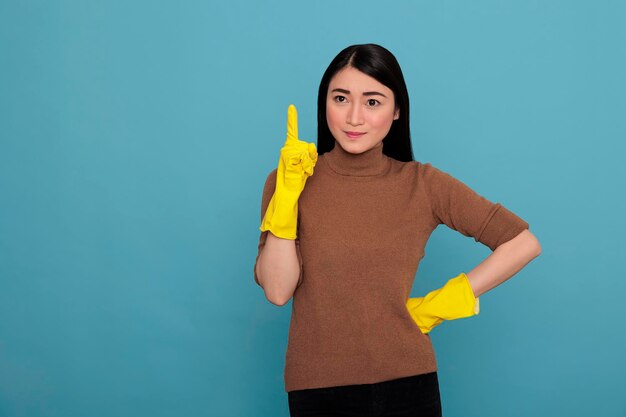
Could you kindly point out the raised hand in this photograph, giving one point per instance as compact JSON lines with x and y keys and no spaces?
{"x":297,"y":155}
{"x":295,"y":166}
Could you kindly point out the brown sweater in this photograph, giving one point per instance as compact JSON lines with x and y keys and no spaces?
{"x":363,"y":223}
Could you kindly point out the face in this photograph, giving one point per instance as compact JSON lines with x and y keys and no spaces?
{"x":359,"y":110}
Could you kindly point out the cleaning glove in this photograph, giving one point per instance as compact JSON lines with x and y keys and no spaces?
{"x":295,"y":166}
{"x":454,"y":300}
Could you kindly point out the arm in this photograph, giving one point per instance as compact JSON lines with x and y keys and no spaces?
{"x":278,"y":269}
{"x":504,"y":262}
{"x":278,"y":266}
{"x":459,"y":297}
{"x":462,"y":209}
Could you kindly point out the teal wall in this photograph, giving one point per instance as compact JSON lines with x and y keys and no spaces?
{"x":135,"y":139}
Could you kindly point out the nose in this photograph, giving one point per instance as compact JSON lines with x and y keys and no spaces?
{"x":355,"y":117}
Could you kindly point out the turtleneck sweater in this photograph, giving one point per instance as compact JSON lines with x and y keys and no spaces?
{"x":363,"y":223}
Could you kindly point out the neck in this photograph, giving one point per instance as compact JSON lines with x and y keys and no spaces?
{"x":369,"y":163}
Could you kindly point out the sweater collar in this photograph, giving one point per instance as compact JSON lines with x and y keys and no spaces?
{"x":366,"y":164}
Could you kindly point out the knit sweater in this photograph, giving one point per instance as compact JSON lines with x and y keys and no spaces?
{"x":363,"y":222}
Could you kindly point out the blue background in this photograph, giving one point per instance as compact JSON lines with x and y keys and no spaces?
{"x":135,"y":139}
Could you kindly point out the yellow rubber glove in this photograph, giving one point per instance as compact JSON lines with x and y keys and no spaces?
{"x":454,"y":300}
{"x":297,"y":159}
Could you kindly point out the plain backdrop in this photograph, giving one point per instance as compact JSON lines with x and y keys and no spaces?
{"x":135,"y":139}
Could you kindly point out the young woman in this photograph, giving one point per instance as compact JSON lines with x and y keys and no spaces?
{"x":347,"y":247}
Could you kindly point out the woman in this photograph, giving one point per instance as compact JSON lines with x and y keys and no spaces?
{"x":347,"y":246}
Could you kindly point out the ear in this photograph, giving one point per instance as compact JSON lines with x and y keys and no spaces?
{"x":396,"y":115}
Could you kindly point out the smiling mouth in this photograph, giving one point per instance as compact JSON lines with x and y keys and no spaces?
{"x":354,"y":134}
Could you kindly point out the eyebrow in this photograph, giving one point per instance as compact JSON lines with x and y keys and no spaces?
{"x":367,"y":93}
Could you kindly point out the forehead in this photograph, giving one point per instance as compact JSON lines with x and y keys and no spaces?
{"x":356,"y":82}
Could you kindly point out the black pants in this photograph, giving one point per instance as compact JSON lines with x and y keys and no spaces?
{"x":405,"y":397}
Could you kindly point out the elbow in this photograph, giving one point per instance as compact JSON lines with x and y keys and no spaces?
{"x":274,"y":296}
{"x":277,"y":299}
{"x":529,"y":243}
{"x":279,"y":302}
{"x":278,"y":278}
{"x":525,"y":244}
{"x":535,"y":246}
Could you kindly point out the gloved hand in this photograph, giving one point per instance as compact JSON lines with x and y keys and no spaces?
{"x":454,"y":300}
{"x":297,"y":159}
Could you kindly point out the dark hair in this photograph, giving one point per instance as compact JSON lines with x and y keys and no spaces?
{"x":380,"y":64}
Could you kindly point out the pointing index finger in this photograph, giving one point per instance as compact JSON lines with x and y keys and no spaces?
{"x":292,"y":123}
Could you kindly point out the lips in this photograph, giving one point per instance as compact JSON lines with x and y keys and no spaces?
{"x":354,"y":134}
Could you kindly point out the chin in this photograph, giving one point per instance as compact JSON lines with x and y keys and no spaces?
{"x":352,"y":147}
{"x":356,"y":147}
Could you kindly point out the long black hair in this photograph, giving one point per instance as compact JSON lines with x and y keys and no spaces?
{"x":380,"y":64}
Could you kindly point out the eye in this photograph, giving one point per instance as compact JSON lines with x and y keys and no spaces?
{"x":340,"y":99}
{"x":373,"y":102}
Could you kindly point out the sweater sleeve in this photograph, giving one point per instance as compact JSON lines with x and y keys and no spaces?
{"x":459,"y":207}
{"x":268,"y":192}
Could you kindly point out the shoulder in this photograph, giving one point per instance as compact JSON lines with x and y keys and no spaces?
{"x":411,"y":167}
{"x":433,"y":175}
{"x":415,"y":166}
{"x":428,"y":177}
{"x":417,"y":169}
